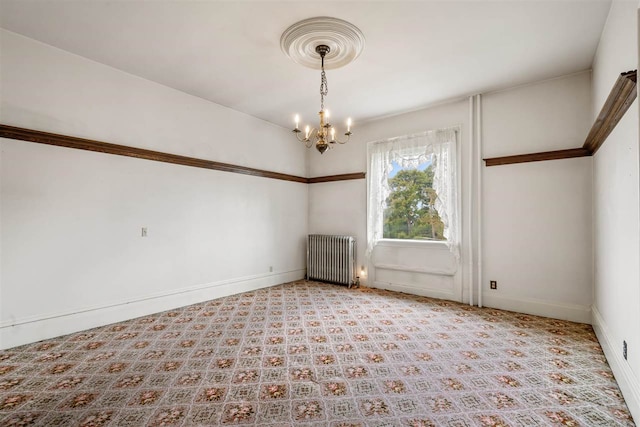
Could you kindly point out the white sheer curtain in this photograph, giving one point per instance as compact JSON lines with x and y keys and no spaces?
{"x":409,"y":152}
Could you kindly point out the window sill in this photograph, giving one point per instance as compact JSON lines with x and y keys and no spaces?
{"x":402,"y":243}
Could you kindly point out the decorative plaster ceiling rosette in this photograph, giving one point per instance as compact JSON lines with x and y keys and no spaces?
{"x":345,"y":40}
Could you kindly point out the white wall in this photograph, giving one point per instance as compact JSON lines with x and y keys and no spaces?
{"x":72,"y":252}
{"x":537,"y":216}
{"x":616,"y":310}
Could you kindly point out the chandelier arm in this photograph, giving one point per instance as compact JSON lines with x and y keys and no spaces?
{"x":348,"y":134}
{"x":297,"y":132}
{"x":307,"y":140}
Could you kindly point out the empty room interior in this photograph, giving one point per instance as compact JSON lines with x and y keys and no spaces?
{"x":367,"y":213}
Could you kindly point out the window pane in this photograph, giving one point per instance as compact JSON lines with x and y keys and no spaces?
{"x":410,"y":212}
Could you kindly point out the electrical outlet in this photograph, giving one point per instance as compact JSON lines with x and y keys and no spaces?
{"x":624,"y":350}
{"x":144,"y":231}
{"x":493,"y":284}
{"x":271,"y":269}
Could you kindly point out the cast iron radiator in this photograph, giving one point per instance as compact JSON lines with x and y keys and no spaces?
{"x":331,"y":259}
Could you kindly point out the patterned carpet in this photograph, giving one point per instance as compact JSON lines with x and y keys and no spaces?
{"x":307,"y":353}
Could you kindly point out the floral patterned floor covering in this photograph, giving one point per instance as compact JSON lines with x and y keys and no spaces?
{"x":308,"y":353}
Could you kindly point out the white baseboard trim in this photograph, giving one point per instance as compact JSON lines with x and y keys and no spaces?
{"x":413,"y":290}
{"x":538,"y":307}
{"x":36,"y":328}
{"x":629,"y":384}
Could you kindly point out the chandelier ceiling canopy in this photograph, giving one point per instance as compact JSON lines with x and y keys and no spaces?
{"x":320,"y":43}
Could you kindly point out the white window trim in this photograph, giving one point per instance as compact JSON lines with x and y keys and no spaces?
{"x":432,"y":244}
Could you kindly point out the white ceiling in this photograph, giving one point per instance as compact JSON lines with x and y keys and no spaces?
{"x":416,"y":53}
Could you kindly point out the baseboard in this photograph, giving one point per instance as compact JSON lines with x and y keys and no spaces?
{"x":538,"y":307}
{"x":36,"y":328}
{"x":629,"y":384}
{"x":413,"y":290}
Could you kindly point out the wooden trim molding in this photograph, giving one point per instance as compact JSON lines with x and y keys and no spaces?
{"x":620,"y":99}
{"x":618,"y":102}
{"x":47,"y":138}
{"x":331,"y":178}
{"x":537,"y":157}
{"x":140,"y":153}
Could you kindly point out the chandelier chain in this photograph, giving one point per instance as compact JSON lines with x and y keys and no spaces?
{"x":324,"y":89}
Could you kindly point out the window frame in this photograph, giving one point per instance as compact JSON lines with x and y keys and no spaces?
{"x":435,"y":244}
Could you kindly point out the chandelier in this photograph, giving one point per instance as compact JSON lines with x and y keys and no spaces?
{"x":336,"y":41}
{"x":320,"y":136}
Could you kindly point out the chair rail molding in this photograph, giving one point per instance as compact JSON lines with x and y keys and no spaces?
{"x":40,"y":137}
{"x":618,"y":102}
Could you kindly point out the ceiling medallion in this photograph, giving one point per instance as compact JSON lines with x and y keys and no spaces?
{"x":345,"y":42}
{"x":329,"y":43}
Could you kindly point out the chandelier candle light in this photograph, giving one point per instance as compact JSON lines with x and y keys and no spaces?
{"x":321,"y":136}
{"x":334,"y":40}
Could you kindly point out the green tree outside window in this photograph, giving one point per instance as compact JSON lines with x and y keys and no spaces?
{"x":410,"y":212}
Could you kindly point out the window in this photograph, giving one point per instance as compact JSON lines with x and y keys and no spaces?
{"x":412,"y":188}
